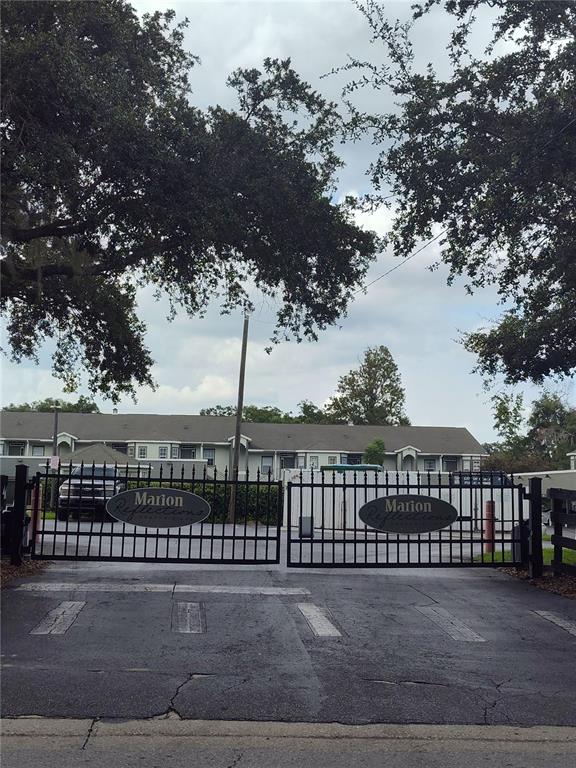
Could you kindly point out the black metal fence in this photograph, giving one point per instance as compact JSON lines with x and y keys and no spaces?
{"x":70,"y":521}
{"x":325,"y":529}
{"x":562,"y":514}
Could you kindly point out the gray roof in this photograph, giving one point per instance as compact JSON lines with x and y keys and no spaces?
{"x":117,"y":427}
{"x":30,"y":425}
{"x":354,"y":439}
{"x":97,"y":453}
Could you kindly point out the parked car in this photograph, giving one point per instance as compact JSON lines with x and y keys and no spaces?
{"x":479,"y":479}
{"x":88,"y":489}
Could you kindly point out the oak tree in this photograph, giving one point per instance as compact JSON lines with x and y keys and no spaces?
{"x":483,"y":160}
{"x":113,"y":179}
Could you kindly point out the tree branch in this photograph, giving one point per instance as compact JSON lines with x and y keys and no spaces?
{"x":58,"y":228}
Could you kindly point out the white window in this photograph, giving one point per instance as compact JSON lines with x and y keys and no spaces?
{"x":450,"y":464}
{"x":332,"y":459}
{"x":131,"y":450}
{"x":174,"y":452}
{"x":313,"y":462}
{"x":302,"y":461}
{"x":37,"y":450}
{"x":163,"y":452}
{"x":142,"y":452}
{"x":209,"y":455}
{"x":476,"y":464}
{"x":429,"y":465}
{"x":16,"y":449}
{"x":267,"y":463}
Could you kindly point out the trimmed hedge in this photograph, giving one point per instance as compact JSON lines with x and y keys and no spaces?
{"x":260,"y":502}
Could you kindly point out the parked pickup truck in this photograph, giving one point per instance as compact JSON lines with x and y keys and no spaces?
{"x":88,"y":489}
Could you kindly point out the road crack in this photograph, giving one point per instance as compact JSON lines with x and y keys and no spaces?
{"x":489,"y":708}
{"x":407,"y":682}
{"x":236,"y":760}
{"x":171,"y":710}
{"x":172,"y":704}
{"x":90,"y":730}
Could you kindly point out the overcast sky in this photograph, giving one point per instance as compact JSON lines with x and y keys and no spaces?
{"x":412,"y":311}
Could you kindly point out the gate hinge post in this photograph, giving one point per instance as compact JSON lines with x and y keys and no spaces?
{"x":535,"y":555}
{"x":18,"y":514}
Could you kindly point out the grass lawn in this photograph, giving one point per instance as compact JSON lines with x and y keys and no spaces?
{"x":568,"y":556}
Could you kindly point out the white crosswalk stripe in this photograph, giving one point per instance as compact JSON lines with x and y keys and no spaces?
{"x":59,"y":620}
{"x":233,"y":590}
{"x":188,"y":618}
{"x":569,"y":626}
{"x":52,"y":586}
{"x":450,"y":624}
{"x":318,"y":620}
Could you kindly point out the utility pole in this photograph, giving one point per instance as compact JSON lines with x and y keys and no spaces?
{"x":54,"y":484}
{"x":238,"y":432}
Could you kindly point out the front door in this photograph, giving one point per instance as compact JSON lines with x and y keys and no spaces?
{"x":408,"y":463}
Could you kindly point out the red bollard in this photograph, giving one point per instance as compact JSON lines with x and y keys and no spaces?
{"x":489,"y":526}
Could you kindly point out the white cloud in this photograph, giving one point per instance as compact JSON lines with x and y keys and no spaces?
{"x":170,"y":398}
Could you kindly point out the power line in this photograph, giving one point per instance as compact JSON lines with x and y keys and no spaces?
{"x":400,"y":264}
{"x":397,"y":266}
{"x":551,"y":139}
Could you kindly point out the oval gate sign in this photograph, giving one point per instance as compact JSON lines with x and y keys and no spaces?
{"x":408,"y":514}
{"x":158,"y":507}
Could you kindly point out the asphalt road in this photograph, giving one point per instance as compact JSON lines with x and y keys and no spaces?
{"x":431,"y":646}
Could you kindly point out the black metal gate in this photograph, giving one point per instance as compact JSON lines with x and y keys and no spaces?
{"x":70,"y":522}
{"x":325,"y":530}
{"x":320,"y":512}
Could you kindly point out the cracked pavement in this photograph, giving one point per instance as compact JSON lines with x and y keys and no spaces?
{"x":258,"y":659}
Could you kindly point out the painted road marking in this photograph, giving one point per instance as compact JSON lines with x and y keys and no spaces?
{"x":450,"y":624}
{"x":232,"y":590}
{"x":569,"y":626}
{"x":52,"y":586}
{"x":318,"y":620}
{"x":60,"y":619}
{"x":188,"y":618}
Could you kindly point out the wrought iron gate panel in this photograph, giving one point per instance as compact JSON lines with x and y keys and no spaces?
{"x":70,"y":522}
{"x":324,"y":530}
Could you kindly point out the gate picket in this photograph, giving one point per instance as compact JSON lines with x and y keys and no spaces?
{"x":79,"y":528}
{"x":337,"y":537}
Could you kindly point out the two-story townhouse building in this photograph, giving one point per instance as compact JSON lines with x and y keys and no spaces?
{"x":264,"y":447}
